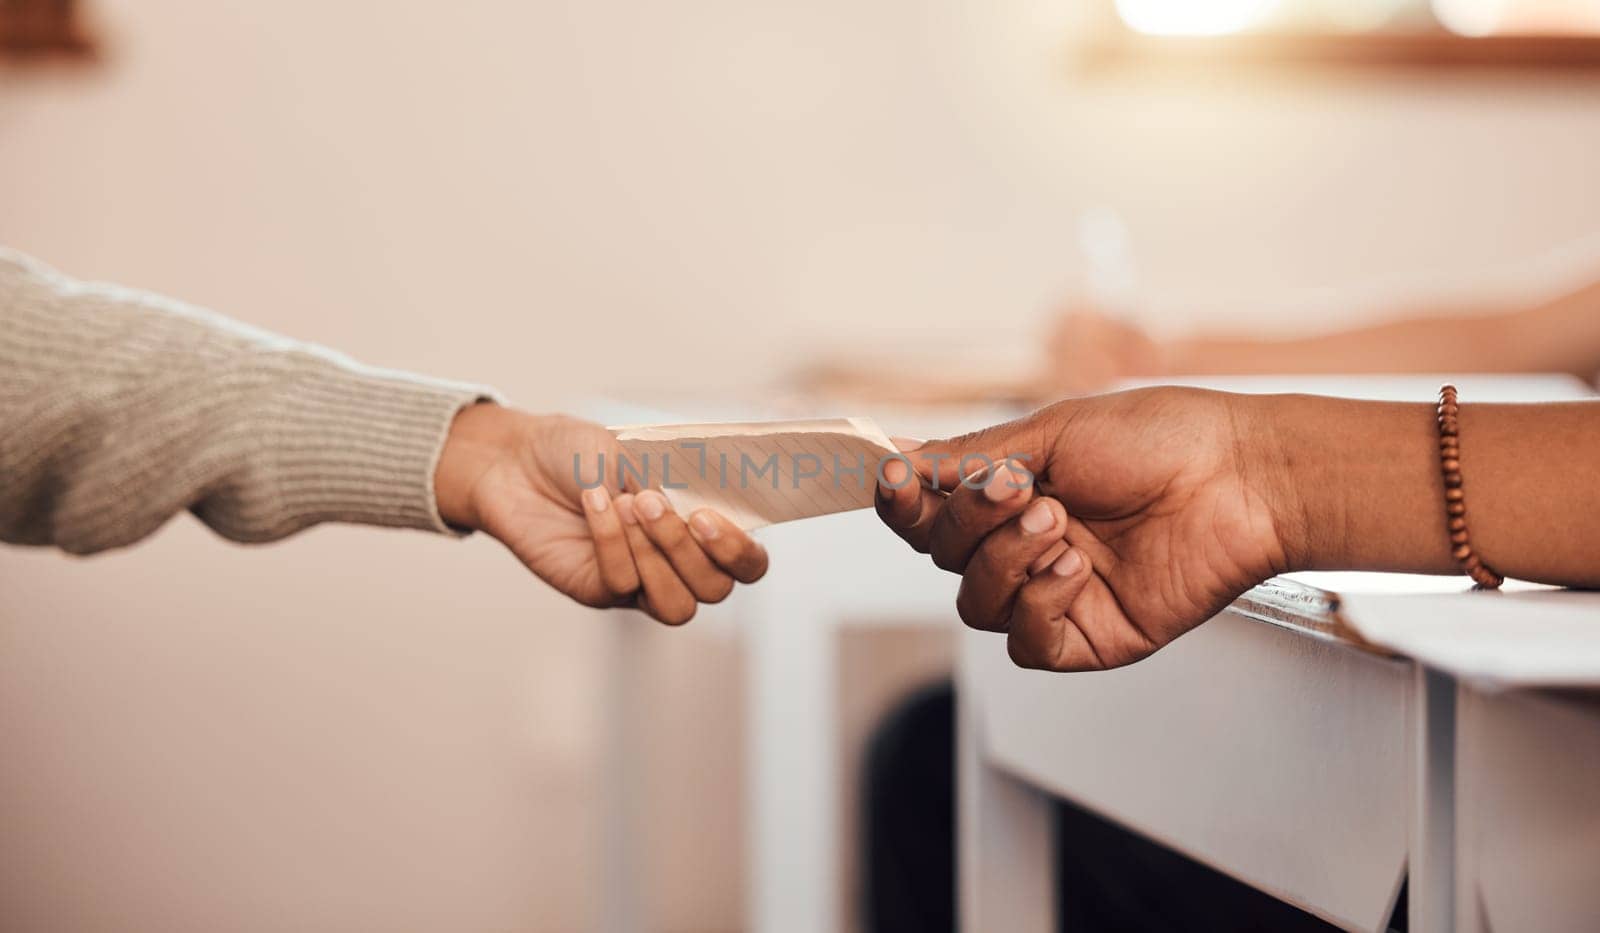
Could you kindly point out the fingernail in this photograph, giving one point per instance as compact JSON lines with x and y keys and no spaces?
{"x":1002,"y":485}
{"x":651,"y":504}
{"x":704,"y":527}
{"x":625,"y":509}
{"x":596,"y":499}
{"x":1038,"y":518}
{"x":895,"y":475}
{"x":1068,"y":564}
{"x":905,"y":443}
{"x":1047,"y":558}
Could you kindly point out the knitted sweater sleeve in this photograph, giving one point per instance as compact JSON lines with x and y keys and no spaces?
{"x":118,"y":409}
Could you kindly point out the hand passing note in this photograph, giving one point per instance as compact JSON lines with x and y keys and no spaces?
{"x":1106,"y":527}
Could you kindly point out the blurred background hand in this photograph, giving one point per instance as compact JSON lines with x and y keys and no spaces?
{"x":1088,"y":349}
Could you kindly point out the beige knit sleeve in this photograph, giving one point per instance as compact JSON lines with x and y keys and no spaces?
{"x":118,"y":409}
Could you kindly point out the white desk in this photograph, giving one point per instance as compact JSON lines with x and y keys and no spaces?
{"x":1528,"y":796}
{"x":1285,"y":760}
{"x":1307,"y":768}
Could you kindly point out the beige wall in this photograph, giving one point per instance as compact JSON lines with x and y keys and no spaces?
{"x":360,"y":730}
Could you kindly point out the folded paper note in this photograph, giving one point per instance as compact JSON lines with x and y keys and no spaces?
{"x":758,"y":473}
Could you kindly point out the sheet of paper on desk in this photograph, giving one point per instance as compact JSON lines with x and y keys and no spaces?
{"x":1528,"y":638}
{"x":759,"y":473}
{"x":1524,"y":636}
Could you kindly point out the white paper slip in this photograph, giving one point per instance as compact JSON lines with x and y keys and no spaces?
{"x":758,"y":473}
{"x":1535,"y":637}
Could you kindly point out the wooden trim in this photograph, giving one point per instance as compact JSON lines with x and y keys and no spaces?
{"x":1120,"y":47}
{"x":35,"y":29}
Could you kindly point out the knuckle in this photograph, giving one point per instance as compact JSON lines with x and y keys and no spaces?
{"x":620,"y":579}
{"x":958,"y":517}
{"x":605,"y":599}
{"x":1022,"y":653}
{"x":677,"y":612}
{"x":1034,"y":602}
{"x":718,"y":590}
{"x":917,"y":538}
{"x":667,"y":533}
{"x":1123,"y":655}
{"x":945,"y":558}
{"x":965,"y":610}
{"x":974,"y":612}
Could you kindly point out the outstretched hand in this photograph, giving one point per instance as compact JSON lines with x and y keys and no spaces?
{"x":512,"y":475}
{"x":1106,"y":527}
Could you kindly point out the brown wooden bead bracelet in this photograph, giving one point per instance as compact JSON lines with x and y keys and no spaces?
{"x":1455,"y":500}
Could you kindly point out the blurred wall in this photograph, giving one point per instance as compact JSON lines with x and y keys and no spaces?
{"x":363,"y":730}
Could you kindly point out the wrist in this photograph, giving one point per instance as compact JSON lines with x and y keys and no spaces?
{"x":1277,"y":461}
{"x":1352,"y":484}
{"x":479,"y":438}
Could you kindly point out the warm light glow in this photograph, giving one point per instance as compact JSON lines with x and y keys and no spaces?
{"x":1193,"y":17}
{"x":1492,"y":17}
{"x":1470,"y":17}
{"x":1359,"y":15}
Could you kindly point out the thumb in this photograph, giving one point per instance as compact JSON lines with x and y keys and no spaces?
{"x":943,"y":464}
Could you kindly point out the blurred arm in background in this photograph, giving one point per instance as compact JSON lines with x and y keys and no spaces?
{"x":119,"y":409}
{"x":1089,"y":350}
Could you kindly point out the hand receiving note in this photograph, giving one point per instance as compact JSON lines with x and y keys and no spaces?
{"x":516,"y":477}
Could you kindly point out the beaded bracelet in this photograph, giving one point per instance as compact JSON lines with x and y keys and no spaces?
{"x":1455,"y":500}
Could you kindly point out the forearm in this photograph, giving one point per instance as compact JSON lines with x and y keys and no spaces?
{"x":1558,"y":335}
{"x":1468,"y":344}
{"x":1362,"y":488}
{"x":1561,"y":335}
{"x":120,"y":409}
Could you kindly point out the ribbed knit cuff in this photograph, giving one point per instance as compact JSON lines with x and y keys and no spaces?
{"x":344,"y":443}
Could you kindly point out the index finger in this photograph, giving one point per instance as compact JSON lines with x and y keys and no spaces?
{"x":975,"y":508}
